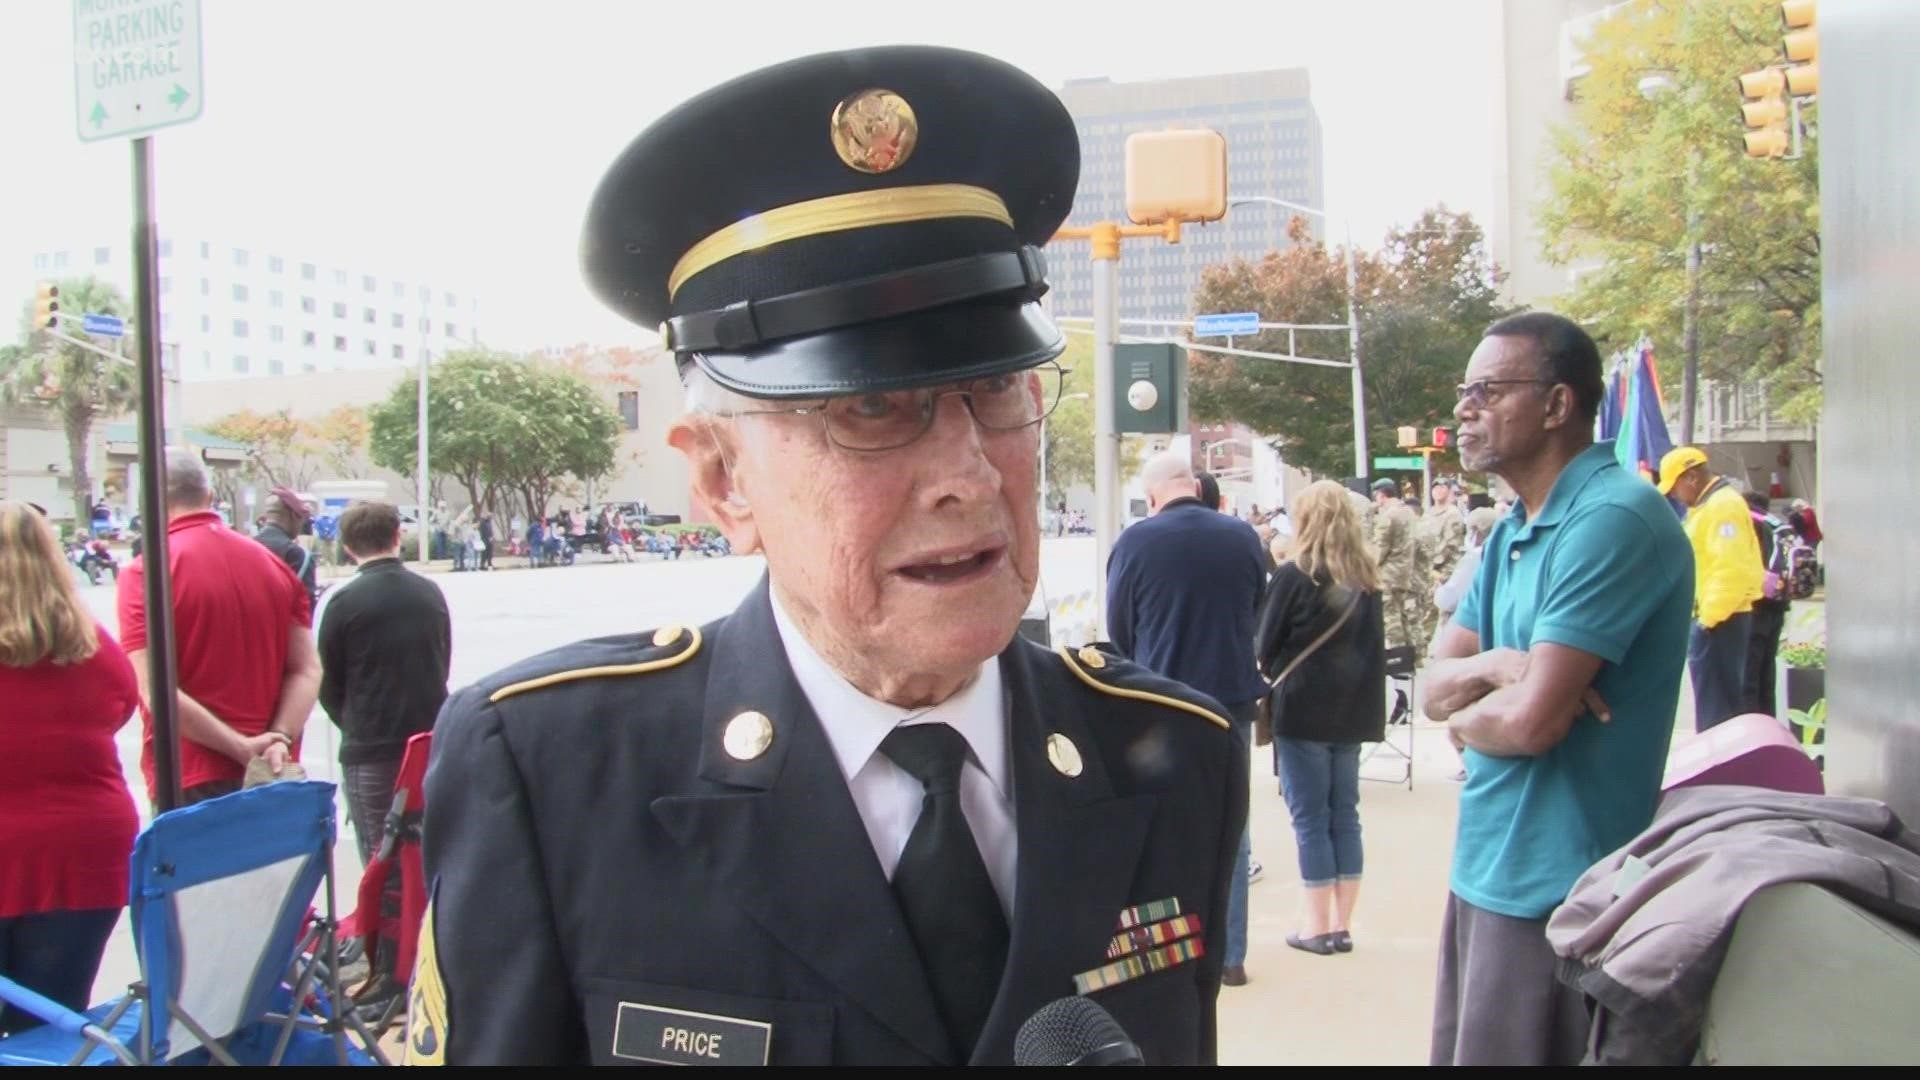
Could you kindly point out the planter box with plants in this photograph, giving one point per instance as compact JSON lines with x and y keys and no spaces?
{"x":1806,"y":689}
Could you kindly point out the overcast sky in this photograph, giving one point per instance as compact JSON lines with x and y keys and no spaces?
{"x":462,"y":139}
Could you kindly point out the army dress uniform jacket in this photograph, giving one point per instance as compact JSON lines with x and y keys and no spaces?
{"x":615,"y":879}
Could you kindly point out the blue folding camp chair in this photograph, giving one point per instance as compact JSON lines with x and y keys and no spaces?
{"x":235,"y":966}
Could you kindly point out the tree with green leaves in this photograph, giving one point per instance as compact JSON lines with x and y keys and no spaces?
{"x":498,"y":424}
{"x":81,"y":387}
{"x":1069,"y":431}
{"x":1652,"y":164}
{"x":1424,"y":299}
{"x":574,"y":436}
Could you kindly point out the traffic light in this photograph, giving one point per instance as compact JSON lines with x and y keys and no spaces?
{"x":1176,"y":176}
{"x":1409,"y":437}
{"x":1765,"y":112}
{"x":1802,"y":48}
{"x":46,"y":306}
{"x":1773,"y":122}
{"x":1442,"y":438}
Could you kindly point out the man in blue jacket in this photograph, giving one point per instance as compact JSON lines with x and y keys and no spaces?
{"x":1183,"y":588}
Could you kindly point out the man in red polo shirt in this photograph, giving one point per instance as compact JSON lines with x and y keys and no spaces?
{"x":248,"y":671}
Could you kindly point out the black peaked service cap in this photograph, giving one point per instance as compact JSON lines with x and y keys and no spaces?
{"x":846,"y":222}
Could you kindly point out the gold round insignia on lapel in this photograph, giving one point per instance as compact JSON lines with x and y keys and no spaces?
{"x":1092,"y":657}
{"x":874,"y":131}
{"x":667,"y":635}
{"x":748,"y":736}
{"x":1064,"y":756}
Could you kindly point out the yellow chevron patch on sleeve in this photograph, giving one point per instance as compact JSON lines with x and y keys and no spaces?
{"x":1078,"y":667}
{"x":427,"y":1003}
{"x":666,"y":636}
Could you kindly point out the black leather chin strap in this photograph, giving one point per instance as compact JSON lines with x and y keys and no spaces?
{"x":755,"y":322}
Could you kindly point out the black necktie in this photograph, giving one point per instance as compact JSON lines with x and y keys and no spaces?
{"x":942,"y":884}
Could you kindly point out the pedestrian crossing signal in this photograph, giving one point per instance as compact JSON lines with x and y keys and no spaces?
{"x":1442,"y":438}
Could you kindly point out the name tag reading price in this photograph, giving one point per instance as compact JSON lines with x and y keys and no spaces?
{"x":677,"y":1037}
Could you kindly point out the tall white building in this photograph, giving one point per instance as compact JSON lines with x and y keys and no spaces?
{"x":1540,"y":45}
{"x":239,"y":309}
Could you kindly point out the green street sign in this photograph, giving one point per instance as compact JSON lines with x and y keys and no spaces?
{"x":135,"y":69}
{"x":1413,"y":462}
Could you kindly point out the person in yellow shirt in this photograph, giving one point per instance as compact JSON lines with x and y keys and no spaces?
{"x":1728,"y":576}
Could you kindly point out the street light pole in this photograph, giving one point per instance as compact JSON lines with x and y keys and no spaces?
{"x":1690,"y":377}
{"x":1652,"y":87}
{"x":1353,"y":325}
{"x":1353,"y":357}
{"x":1106,"y":441}
{"x":422,"y":518}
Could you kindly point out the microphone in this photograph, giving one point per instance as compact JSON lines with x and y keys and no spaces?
{"x":1073,"y":1031}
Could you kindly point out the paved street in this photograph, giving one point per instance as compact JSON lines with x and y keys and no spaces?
{"x":1371,"y":1005}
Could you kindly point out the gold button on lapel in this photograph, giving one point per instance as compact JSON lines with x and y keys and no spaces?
{"x":748,"y":736}
{"x":667,"y":635}
{"x":1064,"y":756}
{"x":1093,"y":658}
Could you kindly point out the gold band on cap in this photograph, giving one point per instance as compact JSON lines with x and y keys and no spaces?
{"x":837,"y":213}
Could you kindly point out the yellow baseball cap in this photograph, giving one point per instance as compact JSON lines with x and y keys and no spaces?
{"x":1676,"y":462}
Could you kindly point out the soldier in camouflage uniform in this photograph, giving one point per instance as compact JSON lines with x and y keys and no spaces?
{"x":1394,"y":537}
{"x":1443,"y":539}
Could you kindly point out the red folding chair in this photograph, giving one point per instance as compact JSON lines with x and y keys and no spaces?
{"x":399,"y":852}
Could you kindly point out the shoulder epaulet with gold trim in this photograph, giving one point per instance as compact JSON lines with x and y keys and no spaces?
{"x":1090,"y":657}
{"x":686,"y":638}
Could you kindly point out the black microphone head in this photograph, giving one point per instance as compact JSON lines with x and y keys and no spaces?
{"x":1073,"y":1031}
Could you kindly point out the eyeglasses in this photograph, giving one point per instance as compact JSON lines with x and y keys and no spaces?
{"x":1475,"y":393}
{"x":888,"y":420}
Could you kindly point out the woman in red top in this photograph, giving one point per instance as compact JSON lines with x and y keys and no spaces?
{"x":66,"y":818}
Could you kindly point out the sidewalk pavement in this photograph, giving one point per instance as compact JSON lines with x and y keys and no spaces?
{"x":1373,"y":1005}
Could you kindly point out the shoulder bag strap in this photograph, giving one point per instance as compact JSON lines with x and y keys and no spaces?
{"x":1317,"y":642}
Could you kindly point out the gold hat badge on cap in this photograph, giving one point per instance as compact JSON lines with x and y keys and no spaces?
{"x":874,"y":131}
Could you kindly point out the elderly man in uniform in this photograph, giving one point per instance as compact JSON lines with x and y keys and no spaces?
{"x":1393,"y":534}
{"x":859,"y":820}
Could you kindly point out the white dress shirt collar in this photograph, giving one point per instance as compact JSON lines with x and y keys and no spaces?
{"x":856,"y":724}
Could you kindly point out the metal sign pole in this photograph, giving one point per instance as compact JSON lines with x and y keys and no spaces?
{"x":153,"y":493}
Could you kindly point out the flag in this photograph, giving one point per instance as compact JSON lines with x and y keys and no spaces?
{"x":1643,"y":438}
{"x":1612,"y":404}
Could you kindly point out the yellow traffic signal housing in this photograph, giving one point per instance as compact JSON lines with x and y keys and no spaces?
{"x":1767,"y":82}
{"x":1409,"y":438}
{"x":1771,"y":142}
{"x":1801,"y":47}
{"x":46,"y":306}
{"x":1176,"y":176}
{"x":1764,"y":113}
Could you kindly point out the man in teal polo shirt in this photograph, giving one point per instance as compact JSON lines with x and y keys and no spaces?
{"x":1557,"y":679}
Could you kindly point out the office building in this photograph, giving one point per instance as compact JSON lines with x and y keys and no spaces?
{"x":247,"y":309}
{"x":1273,"y":149}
